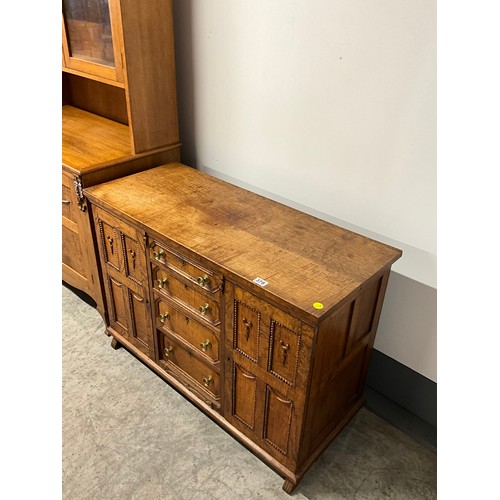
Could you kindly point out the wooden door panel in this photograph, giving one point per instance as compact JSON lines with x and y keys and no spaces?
{"x":110,"y":242}
{"x":278,"y":413}
{"x":141,"y":328}
{"x":284,"y":348}
{"x":117,"y":298}
{"x":246,"y":330}
{"x":364,"y":314}
{"x":244,"y":396}
{"x":72,"y":254}
{"x":133,"y":253}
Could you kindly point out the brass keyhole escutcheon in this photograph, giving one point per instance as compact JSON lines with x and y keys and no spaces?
{"x":284,"y":350}
{"x":248,"y":326}
{"x":208,"y":380}
{"x":204,"y":346}
{"x":132,"y":254}
{"x":110,"y":241}
{"x":161,"y":282}
{"x":205,"y":308}
{"x":167,"y":351}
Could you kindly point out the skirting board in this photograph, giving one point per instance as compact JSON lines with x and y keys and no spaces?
{"x":403,"y":397}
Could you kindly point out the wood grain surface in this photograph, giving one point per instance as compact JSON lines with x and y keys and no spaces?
{"x":305,"y":260}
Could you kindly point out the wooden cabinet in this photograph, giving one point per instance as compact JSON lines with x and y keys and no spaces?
{"x":119,"y":111}
{"x":263,"y":316}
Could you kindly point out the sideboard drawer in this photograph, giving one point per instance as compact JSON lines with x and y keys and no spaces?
{"x":204,"y":377}
{"x":203,"y":306}
{"x":203,"y":340}
{"x":184,"y":266}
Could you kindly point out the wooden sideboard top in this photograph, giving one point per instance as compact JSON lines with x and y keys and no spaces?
{"x":304,"y":260}
{"x":89,"y":140}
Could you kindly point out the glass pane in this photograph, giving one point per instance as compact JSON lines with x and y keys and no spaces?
{"x":88,"y":28}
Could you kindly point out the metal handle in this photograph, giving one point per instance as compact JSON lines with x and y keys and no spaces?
{"x":167,"y":351}
{"x":161,"y":283}
{"x":204,"y":346}
{"x":284,"y":352}
{"x":248,"y":327}
{"x":203,"y":280}
{"x":110,"y":240}
{"x":208,"y":380}
{"x":158,"y":255}
{"x":164,"y":316}
{"x":66,"y":202}
{"x":205,"y":308}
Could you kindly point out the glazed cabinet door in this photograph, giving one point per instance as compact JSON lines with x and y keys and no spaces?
{"x":122,"y":253}
{"x":266,"y":372}
{"x":91,"y":36}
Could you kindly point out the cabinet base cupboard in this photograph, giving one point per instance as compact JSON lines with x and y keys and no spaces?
{"x":262,"y":316}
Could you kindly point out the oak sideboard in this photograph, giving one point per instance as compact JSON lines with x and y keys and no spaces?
{"x":262,"y":316}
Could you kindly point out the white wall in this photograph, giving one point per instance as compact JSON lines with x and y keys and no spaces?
{"x":327,"y":106}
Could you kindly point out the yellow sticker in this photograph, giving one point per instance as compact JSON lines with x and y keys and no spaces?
{"x":318,"y":305}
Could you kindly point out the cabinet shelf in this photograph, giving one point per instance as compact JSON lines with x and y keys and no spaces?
{"x":89,"y":139}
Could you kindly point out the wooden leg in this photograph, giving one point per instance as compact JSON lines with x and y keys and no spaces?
{"x":115,"y":344}
{"x":288,"y":486}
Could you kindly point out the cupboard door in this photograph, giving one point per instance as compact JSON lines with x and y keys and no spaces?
{"x":123,"y":262}
{"x":267,"y":363}
{"x":129,"y":315}
{"x":90,"y":38}
{"x":269,"y":414}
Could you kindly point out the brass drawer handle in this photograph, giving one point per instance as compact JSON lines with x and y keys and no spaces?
{"x":204,"y":346}
{"x":208,"y":380}
{"x":203,"y":280}
{"x":167,"y":351}
{"x":66,"y":202}
{"x":205,"y":308}
{"x":158,"y":255}
{"x":161,"y":283}
{"x":164,"y":317}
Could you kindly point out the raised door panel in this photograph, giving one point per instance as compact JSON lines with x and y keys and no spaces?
{"x":122,"y":250}
{"x":141,"y":331}
{"x":72,"y":254}
{"x":270,"y":416}
{"x":365,"y":314}
{"x":129,"y":315}
{"x":133,"y":258}
{"x":116,"y":294}
{"x":243,"y":396}
{"x":110,"y":244}
{"x":278,"y":414}
{"x":263,"y":336}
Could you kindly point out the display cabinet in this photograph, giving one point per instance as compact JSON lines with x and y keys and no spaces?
{"x":119,"y":111}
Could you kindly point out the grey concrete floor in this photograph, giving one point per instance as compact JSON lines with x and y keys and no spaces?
{"x":128,"y":435}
